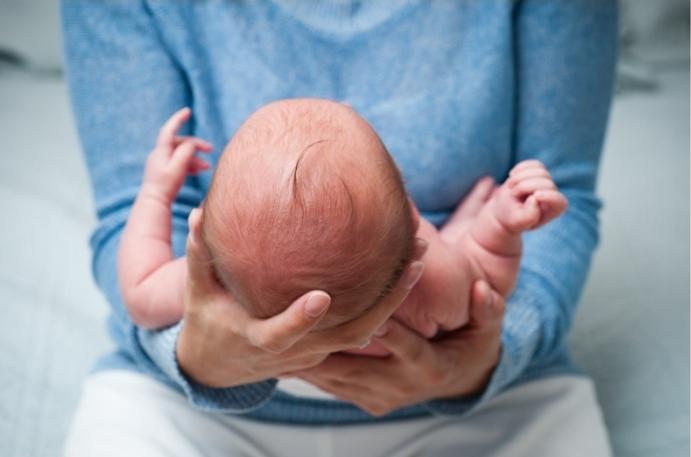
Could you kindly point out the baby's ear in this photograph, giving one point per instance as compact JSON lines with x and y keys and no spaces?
{"x":414,"y":214}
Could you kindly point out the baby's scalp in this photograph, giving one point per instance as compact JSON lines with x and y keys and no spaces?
{"x":306,"y":197}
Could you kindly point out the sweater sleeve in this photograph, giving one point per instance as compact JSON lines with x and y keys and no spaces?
{"x":123,"y":86}
{"x":565,"y":54}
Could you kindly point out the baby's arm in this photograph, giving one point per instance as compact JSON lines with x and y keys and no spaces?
{"x":152,"y":281}
{"x":527,"y":200}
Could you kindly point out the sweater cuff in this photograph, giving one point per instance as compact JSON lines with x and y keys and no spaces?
{"x":160,"y":347}
{"x":519,"y":340}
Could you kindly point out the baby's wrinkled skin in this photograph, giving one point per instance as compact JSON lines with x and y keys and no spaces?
{"x":306,"y":197}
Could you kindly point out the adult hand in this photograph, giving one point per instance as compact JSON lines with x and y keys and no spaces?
{"x":418,"y":369}
{"x":221,"y":345}
{"x":439,"y":301}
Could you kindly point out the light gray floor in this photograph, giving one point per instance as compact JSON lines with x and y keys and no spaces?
{"x":631,"y":333}
{"x":632,"y":330}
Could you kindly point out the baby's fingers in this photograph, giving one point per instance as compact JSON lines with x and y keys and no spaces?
{"x":197,"y":165}
{"x":531,"y":185}
{"x":528,"y":216}
{"x":552,"y":204}
{"x":167,"y":134}
{"x":202,"y":145}
{"x":184,"y":161}
{"x":527,"y":173}
{"x":526,"y":164}
{"x":182,"y":157}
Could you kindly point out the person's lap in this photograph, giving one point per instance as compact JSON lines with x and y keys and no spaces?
{"x":125,"y":413}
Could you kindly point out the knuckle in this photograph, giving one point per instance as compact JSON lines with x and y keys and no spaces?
{"x":364,"y":342}
{"x":350,"y":338}
{"x":265,"y":342}
{"x":274,"y":347}
{"x":415,"y":353}
{"x":313,"y":361}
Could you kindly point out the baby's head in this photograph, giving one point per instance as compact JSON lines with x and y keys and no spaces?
{"x":306,"y":197}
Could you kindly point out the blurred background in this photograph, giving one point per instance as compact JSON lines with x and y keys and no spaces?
{"x":631,"y":333}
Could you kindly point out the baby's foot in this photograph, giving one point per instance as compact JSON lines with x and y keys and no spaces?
{"x":529,"y":198}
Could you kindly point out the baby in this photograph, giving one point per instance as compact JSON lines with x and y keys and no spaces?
{"x":305,"y":196}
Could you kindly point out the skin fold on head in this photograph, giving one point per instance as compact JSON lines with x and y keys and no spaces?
{"x":305,"y":196}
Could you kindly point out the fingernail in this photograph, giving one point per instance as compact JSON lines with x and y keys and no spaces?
{"x":316,"y":304}
{"x":193,"y":216}
{"x":414,"y":273}
{"x":381,"y":331}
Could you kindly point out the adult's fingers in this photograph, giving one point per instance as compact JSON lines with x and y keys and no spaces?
{"x":486,"y":307}
{"x":278,"y":333}
{"x":347,"y":367}
{"x":375,"y":317}
{"x":358,"y":332}
{"x":167,"y":134}
{"x":405,"y":343}
{"x":201,"y":279}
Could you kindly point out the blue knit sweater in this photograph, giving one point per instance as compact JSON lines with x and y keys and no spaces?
{"x":456,"y":90}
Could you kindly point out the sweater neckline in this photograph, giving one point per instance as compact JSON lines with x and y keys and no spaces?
{"x":343,"y":18}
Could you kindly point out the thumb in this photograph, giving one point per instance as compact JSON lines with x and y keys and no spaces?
{"x":201,"y":279}
{"x":280,"y":332}
{"x":486,"y":307}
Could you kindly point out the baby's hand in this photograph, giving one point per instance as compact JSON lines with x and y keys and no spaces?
{"x":173,"y":158}
{"x":529,"y":198}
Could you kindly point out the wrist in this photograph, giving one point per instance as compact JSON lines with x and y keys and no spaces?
{"x":186,"y":356}
{"x":154,"y":192}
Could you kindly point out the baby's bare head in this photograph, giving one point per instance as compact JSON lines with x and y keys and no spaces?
{"x":306,"y":197}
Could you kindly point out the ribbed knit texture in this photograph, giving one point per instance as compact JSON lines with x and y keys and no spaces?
{"x":456,"y":90}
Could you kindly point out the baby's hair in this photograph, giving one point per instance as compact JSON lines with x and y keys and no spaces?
{"x":307,"y":197}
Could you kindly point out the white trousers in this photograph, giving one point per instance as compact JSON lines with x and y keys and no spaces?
{"x":122,"y":413}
